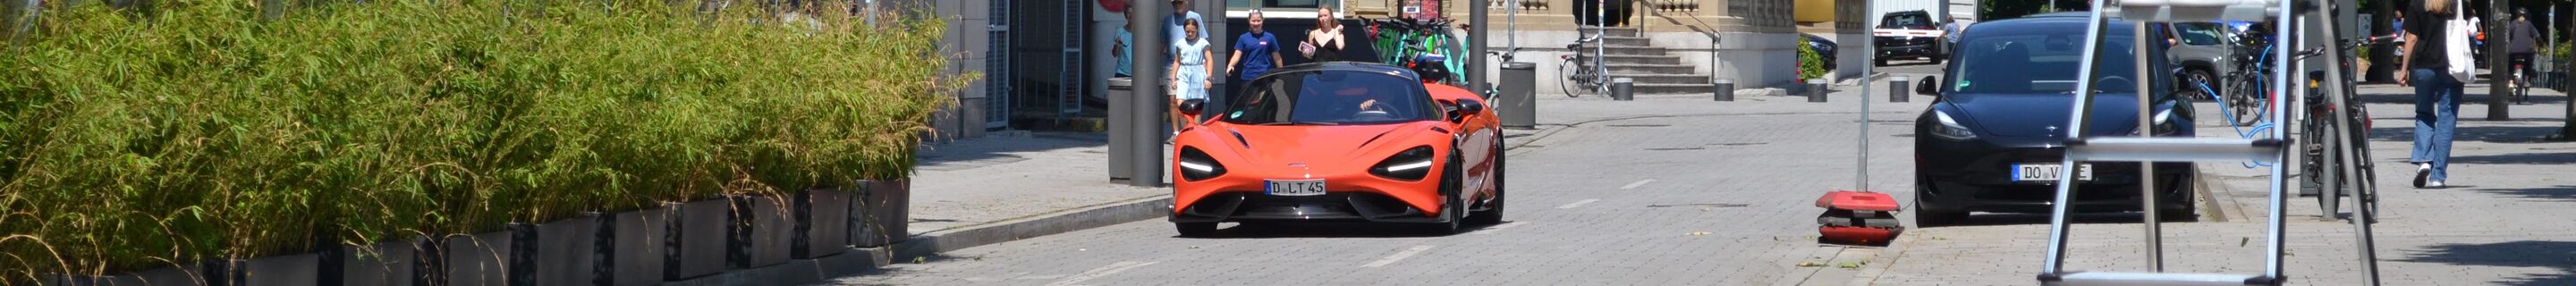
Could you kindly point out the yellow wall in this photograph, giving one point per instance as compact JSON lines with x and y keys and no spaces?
{"x":1809,"y":11}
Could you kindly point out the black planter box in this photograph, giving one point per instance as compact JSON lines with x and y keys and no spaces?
{"x":563,"y":251}
{"x":638,"y":240}
{"x":283,"y":270}
{"x":886,"y":218}
{"x":478,"y":260}
{"x":822,"y":222}
{"x":384,"y":263}
{"x":697,"y":240}
{"x":761,"y":231}
{"x":165,"y":276}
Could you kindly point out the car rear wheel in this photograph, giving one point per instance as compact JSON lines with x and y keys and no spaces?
{"x":1195,"y":229}
{"x":1925,"y":216}
{"x":1493,"y":213}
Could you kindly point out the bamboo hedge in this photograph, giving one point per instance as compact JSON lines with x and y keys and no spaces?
{"x":188,"y":130}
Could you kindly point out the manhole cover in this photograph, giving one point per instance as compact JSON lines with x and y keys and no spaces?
{"x":1640,"y":125}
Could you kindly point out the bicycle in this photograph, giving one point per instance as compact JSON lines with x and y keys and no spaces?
{"x":2357,"y":136}
{"x":1593,"y":77}
{"x":1418,"y":45}
{"x":2521,"y":81}
{"x":2246,"y":99}
{"x":1581,"y":78}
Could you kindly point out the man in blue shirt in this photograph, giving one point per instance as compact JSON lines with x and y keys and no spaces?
{"x":1126,"y":49}
{"x":1172,"y":24}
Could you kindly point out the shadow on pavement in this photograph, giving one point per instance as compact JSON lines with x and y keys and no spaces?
{"x":2519,"y":159}
{"x":2557,"y":255}
{"x":1994,"y":219}
{"x":983,"y":151}
{"x":2405,"y":133}
{"x":2472,"y":96}
{"x":1332,"y":230}
{"x":2561,"y":193}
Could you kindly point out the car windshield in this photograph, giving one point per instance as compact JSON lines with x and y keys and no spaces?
{"x":2040,"y":61}
{"x":2200,"y":34}
{"x":1329,"y":97}
{"x":1906,"y":21}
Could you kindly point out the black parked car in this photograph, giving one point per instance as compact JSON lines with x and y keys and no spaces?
{"x":1824,"y":48}
{"x":1908,"y":35}
{"x":1992,"y":141}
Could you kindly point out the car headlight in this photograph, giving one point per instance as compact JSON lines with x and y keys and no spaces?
{"x":1950,"y":128}
{"x":1196,"y":165}
{"x":1412,"y":164}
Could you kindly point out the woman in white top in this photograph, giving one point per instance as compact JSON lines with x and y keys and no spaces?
{"x":1190,"y":70}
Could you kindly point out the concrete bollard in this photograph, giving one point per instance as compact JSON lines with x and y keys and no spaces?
{"x":1725,"y":89}
{"x":1623,"y":89}
{"x":1815,"y":90}
{"x":1898,"y":89}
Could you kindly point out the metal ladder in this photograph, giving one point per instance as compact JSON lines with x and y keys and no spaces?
{"x":2145,"y":149}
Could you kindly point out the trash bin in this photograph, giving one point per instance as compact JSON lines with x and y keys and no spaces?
{"x":1121,"y":165}
{"x":1815,"y":90}
{"x":1725,"y":89}
{"x":1518,"y":104}
{"x":1897,"y":90}
{"x":1623,"y":89}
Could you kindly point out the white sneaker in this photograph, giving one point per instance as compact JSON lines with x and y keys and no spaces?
{"x":2437,"y":184}
{"x":2423,"y":171}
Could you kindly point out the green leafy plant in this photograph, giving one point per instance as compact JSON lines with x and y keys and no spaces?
{"x":1810,"y":64}
{"x":193,"y":130}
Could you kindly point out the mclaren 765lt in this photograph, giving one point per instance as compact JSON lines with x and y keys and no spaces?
{"x":1338,"y":142}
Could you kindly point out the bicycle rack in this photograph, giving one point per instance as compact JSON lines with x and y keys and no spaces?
{"x":2145,"y":148}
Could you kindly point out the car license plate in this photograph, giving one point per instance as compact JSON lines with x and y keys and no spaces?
{"x":2049,"y":172}
{"x":1294,"y":187}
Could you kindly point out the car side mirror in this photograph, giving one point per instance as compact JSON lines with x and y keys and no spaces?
{"x":1466,"y":107}
{"x":1929,"y":86}
{"x":1191,"y":107}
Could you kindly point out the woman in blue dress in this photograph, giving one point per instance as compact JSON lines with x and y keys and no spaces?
{"x":1190,"y":70}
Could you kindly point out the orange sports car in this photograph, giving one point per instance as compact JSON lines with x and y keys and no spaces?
{"x":1338,"y":142}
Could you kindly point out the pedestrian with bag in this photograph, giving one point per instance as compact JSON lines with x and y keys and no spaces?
{"x":1325,"y":42}
{"x":2437,"y":62}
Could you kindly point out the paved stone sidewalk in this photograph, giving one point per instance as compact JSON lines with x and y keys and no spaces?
{"x":2503,"y":223}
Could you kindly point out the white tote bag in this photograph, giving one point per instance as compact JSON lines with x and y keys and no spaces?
{"x":2456,"y":44}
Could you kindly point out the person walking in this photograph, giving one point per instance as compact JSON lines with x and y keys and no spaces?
{"x":1255,"y":52}
{"x":1190,"y":71}
{"x":1324,"y":43}
{"x":2435,"y":52}
{"x":1181,"y":14}
{"x":2520,"y":39}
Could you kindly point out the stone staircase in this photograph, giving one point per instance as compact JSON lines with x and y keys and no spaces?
{"x":1656,"y":71}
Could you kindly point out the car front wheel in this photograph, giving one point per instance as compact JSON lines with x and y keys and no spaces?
{"x":1453,"y":202}
{"x":1493,"y":213}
